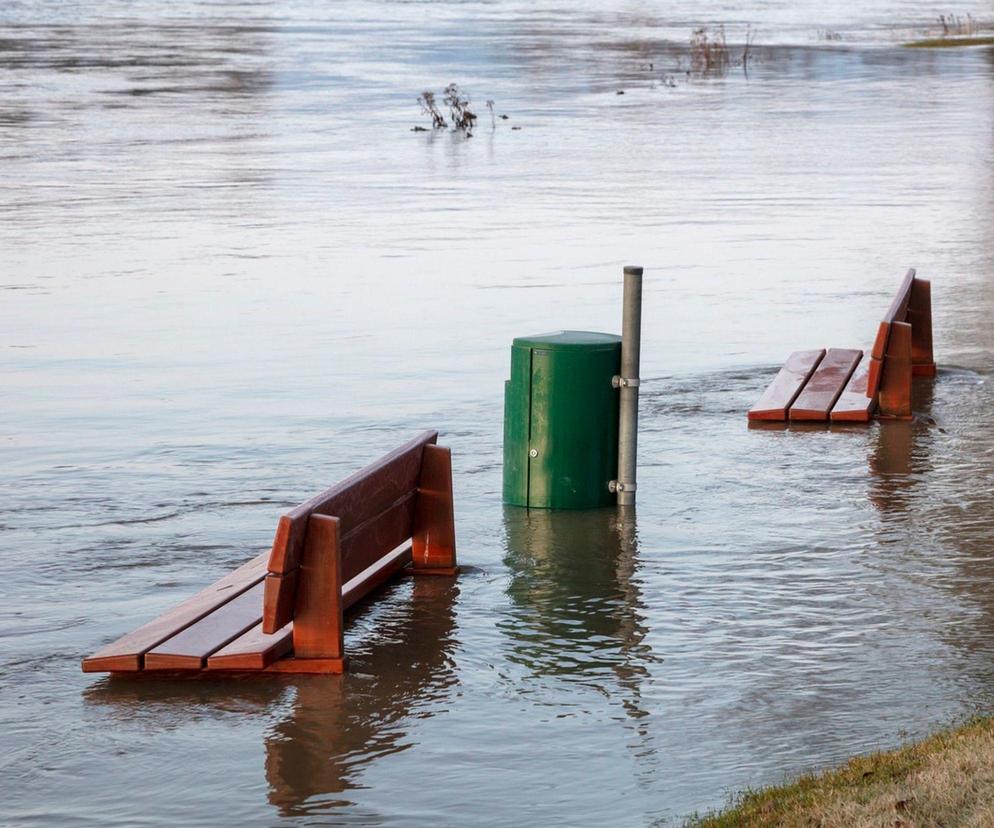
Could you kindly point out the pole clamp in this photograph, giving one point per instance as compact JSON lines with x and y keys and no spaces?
{"x":617,"y":486}
{"x":624,"y":382}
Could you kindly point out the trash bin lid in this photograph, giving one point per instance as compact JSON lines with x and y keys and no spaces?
{"x":569,"y":341}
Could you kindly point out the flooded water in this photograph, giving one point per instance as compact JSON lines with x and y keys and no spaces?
{"x":230,"y":274}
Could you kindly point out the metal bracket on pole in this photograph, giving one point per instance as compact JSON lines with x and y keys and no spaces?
{"x":615,"y":486}
{"x":624,"y":382}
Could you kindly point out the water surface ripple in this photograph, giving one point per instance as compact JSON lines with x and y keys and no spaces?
{"x":230,"y":274}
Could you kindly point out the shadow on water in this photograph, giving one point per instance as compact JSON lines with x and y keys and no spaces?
{"x":577,"y":609}
{"x":325,"y":729}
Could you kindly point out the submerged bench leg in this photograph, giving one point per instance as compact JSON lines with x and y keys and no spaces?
{"x":318,"y":622}
{"x":434,"y":535}
{"x":895,"y":380}
{"x":920,"y":319}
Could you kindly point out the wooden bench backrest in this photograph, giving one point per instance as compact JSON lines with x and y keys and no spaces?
{"x":897,"y":313}
{"x":375,"y":508}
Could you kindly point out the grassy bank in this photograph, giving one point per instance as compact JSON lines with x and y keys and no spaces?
{"x":945,"y":780}
{"x":951,"y":42}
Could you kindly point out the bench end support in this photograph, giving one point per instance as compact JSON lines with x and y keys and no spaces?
{"x":434,"y":532}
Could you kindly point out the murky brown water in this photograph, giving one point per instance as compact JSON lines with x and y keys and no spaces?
{"x":229,"y":274}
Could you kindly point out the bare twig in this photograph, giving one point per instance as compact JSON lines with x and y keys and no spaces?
{"x":428,"y":106}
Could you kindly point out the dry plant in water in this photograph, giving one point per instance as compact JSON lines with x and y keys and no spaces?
{"x":426,"y":100}
{"x":456,"y":101}
{"x":710,"y":55}
{"x":458,"y":104}
{"x":953,"y":24}
{"x":709,"y":52}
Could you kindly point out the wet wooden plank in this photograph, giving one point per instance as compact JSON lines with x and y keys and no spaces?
{"x":127,"y":653}
{"x":355,"y":500}
{"x":898,"y":310}
{"x":786,"y":386}
{"x":376,"y":576}
{"x":253,"y":650}
{"x":322,"y":666}
{"x":826,"y":385}
{"x":369,"y":542}
{"x":189,"y":649}
{"x":853,"y":405}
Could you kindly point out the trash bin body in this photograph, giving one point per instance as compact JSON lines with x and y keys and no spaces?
{"x":561,"y":420}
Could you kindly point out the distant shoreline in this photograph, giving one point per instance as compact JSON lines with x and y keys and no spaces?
{"x":951,"y":42}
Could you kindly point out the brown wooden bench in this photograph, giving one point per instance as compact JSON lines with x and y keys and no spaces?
{"x":283,"y":611}
{"x":839,"y":385}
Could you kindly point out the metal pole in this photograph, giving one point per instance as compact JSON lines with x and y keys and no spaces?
{"x":628,"y":384}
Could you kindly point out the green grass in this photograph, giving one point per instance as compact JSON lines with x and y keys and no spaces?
{"x":951,"y":42}
{"x":947,"y":779}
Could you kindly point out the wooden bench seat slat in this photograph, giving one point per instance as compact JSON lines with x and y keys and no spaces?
{"x":126,"y":654}
{"x":826,"y":384}
{"x":189,"y":649}
{"x":787,"y":384}
{"x":355,"y":500}
{"x":853,"y":405}
{"x":255,"y":650}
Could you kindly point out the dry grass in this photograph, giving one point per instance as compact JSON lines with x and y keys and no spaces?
{"x":946,"y":780}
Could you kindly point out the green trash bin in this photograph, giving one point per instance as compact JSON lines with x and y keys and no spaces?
{"x":561,"y":420}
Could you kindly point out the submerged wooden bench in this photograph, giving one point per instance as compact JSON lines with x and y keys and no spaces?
{"x":283,"y":611}
{"x":837,"y":384}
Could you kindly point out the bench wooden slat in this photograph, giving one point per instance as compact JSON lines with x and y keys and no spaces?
{"x":366,"y":543}
{"x":355,"y":500}
{"x":126,"y":654}
{"x":853,"y":405}
{"x":188,"y":650}
{"x":787,"y":384}
{"x":898,"y":309}
{"x":371,"y":579}
{"x":255,"y":650}
{"x":826,"y":384}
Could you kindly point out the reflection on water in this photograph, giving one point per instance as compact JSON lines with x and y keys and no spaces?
{"x":901,"y":454}
{"x":577,"y":609}
{"x":231,"y":274}
{"x":323,"y":730}
{"x":315,"y":755}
